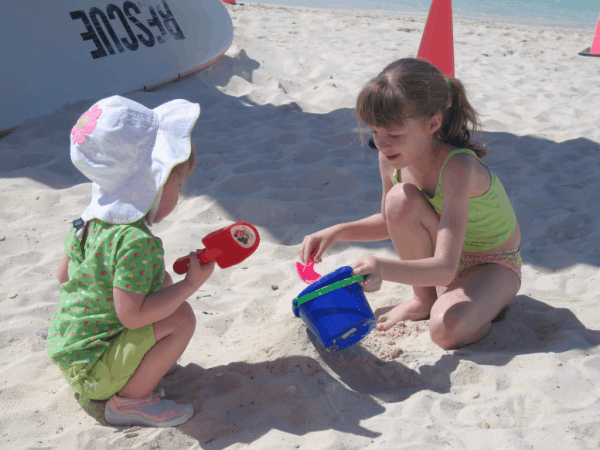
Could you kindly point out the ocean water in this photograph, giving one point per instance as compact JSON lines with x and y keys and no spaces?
{"x":558,"y":13}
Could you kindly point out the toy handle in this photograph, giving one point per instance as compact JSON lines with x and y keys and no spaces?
{"x":324,"y":290}
{"x":181,"y":266}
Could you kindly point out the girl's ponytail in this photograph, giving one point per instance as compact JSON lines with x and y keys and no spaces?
{"x":456,"y":117}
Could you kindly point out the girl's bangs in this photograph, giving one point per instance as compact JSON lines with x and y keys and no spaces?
{"x":380,"y":106}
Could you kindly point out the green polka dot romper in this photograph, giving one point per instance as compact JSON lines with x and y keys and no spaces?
{"x":125,"y":256}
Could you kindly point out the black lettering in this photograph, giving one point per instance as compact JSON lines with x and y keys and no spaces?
{"x":169,"y":21}
{"x":110,"y":10}
{"x":90,"y":35}
{"x":94,"y":13}
{"x":127,"y":7}
{"x":155,"y":22}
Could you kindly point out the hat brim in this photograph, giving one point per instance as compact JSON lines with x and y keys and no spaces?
{"x":129,"y":205}
{"x":176,"y":120}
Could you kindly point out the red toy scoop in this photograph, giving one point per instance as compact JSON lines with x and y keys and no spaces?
{"x":228,"y":246}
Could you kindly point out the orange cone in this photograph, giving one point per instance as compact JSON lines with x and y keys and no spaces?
{"x":594,"y":50}
{"x":437,"y":43}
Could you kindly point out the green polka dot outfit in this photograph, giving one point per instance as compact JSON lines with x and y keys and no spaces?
{"x":126,"y":256}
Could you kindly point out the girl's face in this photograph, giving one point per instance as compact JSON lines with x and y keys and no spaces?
{"x":403,"y":145}
{"x":170,"y":195}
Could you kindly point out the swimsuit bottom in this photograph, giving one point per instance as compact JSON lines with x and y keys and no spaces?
{"x":510,"y":259}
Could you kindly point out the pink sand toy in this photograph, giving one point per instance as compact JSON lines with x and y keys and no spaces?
{"x":306,"y":272}
{"x":228,"y":246}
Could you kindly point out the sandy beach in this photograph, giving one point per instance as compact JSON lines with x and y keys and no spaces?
{"x":278,"y":146}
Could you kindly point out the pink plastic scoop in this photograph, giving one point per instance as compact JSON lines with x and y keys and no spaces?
{"x":306,"y":272}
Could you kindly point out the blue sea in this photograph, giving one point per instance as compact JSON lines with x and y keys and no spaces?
{"x":559,"y":13}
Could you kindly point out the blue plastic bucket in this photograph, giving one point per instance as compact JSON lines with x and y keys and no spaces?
{"x":335,"y":310}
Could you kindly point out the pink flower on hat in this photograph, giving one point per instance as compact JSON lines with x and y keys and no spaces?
{"x":86,"y":124}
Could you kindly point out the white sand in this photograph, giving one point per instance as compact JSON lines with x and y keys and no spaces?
{"x":278,"y":146}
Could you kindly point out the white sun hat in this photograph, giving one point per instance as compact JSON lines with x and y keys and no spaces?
{"x":128,"y":152}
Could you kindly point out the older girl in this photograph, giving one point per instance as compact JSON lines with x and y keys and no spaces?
{"x":446,"y":213}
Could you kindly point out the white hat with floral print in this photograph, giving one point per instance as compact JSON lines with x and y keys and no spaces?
{"x":128,"y":152}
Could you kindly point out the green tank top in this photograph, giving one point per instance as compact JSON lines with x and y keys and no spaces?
{"x":491,"y":219}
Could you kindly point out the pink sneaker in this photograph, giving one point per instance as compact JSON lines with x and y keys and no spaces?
{"x":149,"y":411}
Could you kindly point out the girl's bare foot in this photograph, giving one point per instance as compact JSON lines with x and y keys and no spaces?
{"x":410,"y":310}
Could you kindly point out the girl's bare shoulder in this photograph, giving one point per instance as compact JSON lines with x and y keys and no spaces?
{"x":468,"y":169}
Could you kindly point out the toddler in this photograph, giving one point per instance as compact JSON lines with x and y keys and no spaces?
{"x":121,"y":322}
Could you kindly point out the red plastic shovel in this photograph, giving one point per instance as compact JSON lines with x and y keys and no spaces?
{"x":228,"y":246}
{"x":306,"y":272}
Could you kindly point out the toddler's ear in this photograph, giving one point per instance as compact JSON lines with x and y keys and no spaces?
{"x":372,"y":144}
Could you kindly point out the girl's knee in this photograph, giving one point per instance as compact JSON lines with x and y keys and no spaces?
{"x":182,"y":323}
{"x":442,"y":336}
{"x":444,"y":328}
{"x":402,"y":201}
{"x":186,"y":316}
{"x":449,"y":331}
{"x":183,"y":320}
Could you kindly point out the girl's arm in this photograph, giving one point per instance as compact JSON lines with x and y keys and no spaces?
{"x":136,"y":310}
{"x":167,"y":281}
{"x":63,"y":270}
{"x":440,"y":269}
{"x":372,"y":228}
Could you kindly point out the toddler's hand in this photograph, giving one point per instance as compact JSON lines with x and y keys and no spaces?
{"x":197,"y":274}
{"x":323,"y":239}
{"x":368,"y":266}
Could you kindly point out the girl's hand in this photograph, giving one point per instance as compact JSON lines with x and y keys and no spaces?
{"x":197,"y":274}
{"x":323,"y":239}
{"x":368,"y":266}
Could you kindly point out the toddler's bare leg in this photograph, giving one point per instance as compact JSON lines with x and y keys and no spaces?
{"x":172,"y":337}
{"x":413,"y":225}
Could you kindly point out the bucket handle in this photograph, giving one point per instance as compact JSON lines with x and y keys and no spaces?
{"x":332,"y":287}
